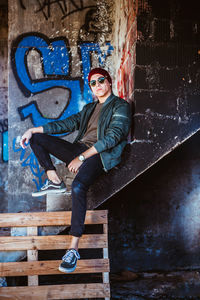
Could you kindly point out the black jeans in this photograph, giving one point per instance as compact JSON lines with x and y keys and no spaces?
{"x":43,"y":145}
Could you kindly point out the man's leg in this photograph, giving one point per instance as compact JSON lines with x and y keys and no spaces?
{"x":43,"y":145}
{"x":53,"y":176}
{"x":88,"y":173}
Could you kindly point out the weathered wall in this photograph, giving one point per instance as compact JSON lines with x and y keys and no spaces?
{"x":167,"y":71}
{"x":49,"y":63}
{"x":154,"y":223}
{"x":166,"y":88}
{"x":3,"y":106}
{"x":124,"y":39}
{"x":52,"y":46}
{"x":51,"y":49}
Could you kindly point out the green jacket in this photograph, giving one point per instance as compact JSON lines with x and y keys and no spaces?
{"x":112,"y":131}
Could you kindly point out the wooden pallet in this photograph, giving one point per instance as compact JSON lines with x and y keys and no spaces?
{"x":33,"y":268}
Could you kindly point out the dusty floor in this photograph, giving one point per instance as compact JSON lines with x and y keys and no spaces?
{"x":145,"y":286}
{"x":177,"y":285}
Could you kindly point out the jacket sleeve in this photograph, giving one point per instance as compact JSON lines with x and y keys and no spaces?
{"x":69,"y":124}
{"x":118,"y":128}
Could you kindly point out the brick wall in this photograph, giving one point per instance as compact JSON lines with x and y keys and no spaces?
{"x":167,"y":71}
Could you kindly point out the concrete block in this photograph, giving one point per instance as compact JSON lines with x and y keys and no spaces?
{"x":58,"y":202}
{"x":193,"y":103}
{"x":156,"y":101}
{"x":162,"y":30}
{"x":167,"y":54}
{"x":140,"y":78}
{"x":171,"y":78}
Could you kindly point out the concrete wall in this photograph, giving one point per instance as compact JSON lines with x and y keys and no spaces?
{"x":51,"y":56}
{"x":166,"y":85}
{"x":51,"y":50}
{"x":154,"y":223}
{"x":167,"y":71}
{"x":3,"y":106}
{"x":124,"y":39}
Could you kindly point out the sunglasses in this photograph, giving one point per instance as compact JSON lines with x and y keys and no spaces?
{"x":101,"y":80}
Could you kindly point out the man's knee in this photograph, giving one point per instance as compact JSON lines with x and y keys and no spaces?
{"x":78,"y":188}
{"x":36,"y":138}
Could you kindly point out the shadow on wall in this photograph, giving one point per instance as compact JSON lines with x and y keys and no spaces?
{"x":155,"y":221}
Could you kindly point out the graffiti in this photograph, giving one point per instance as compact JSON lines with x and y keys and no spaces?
{"x":125,"y":84}
{"x":30,"y":161}
{"x":3,"y":125}
{"x":4,"y":134}
{"x":66,"y":7}
{"x":95,"y":27}
{"x":56,"y":66}
{"x":5,"y":146}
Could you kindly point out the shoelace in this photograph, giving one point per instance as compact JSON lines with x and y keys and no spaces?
{"x":45,"y":185}
{"x":69,"y":255}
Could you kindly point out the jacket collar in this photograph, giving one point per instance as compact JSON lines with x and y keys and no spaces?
{"x":107,"y":100}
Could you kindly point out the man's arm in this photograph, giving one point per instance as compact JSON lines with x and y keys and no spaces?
{"x":28,"y":134}
{"x":67,"y":125}
{"x":75,"y":164}
{"x":118,"y":129}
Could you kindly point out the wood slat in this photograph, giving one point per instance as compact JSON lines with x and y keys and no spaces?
{"x":32,"y":255}
{"x":60,"y":218}
{"x":68,"y":291}
{"x":48,"y":267}
{"x":16,"y":243}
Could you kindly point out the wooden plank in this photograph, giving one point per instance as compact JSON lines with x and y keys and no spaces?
{"x":105,"y":277}
{"x":105,"y":231}
{"x":16,"y":243}
{"x":60,"y":218}
{"x":105,"y":255}
{"x":26,"y":268}
{"x":33,"y":268}
{"x":32,"y":255}
{"x":68,"y":291}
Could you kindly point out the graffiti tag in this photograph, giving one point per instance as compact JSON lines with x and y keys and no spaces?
{"x":66,"y":7}
{"x":30,"y":161}
{"x":56,"y":65}
{"x":4,"y":134}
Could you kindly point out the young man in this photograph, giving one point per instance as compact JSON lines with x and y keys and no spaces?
{"x":103,"y":127}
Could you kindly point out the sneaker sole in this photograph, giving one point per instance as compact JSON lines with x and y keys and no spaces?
{"x":61,"y":191}
{"x":67,"y":270}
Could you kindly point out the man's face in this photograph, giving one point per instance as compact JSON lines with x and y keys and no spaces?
{"x":100,"y":86}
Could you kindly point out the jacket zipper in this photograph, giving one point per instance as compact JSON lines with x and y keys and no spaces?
{"x":100,"y":153}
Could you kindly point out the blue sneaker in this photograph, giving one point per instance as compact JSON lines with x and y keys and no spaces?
{"x":69,"y":261}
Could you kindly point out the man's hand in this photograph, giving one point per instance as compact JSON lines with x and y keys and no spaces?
{"x":25,"y":138}
{"x":74,"y":165}
{"x":28,"y":134}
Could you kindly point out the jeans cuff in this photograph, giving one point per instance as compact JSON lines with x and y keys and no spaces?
{"x":75,"y":234}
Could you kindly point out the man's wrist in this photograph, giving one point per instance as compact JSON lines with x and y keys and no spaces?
{"x":81,"y":157}
{"x":36,"y":129}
